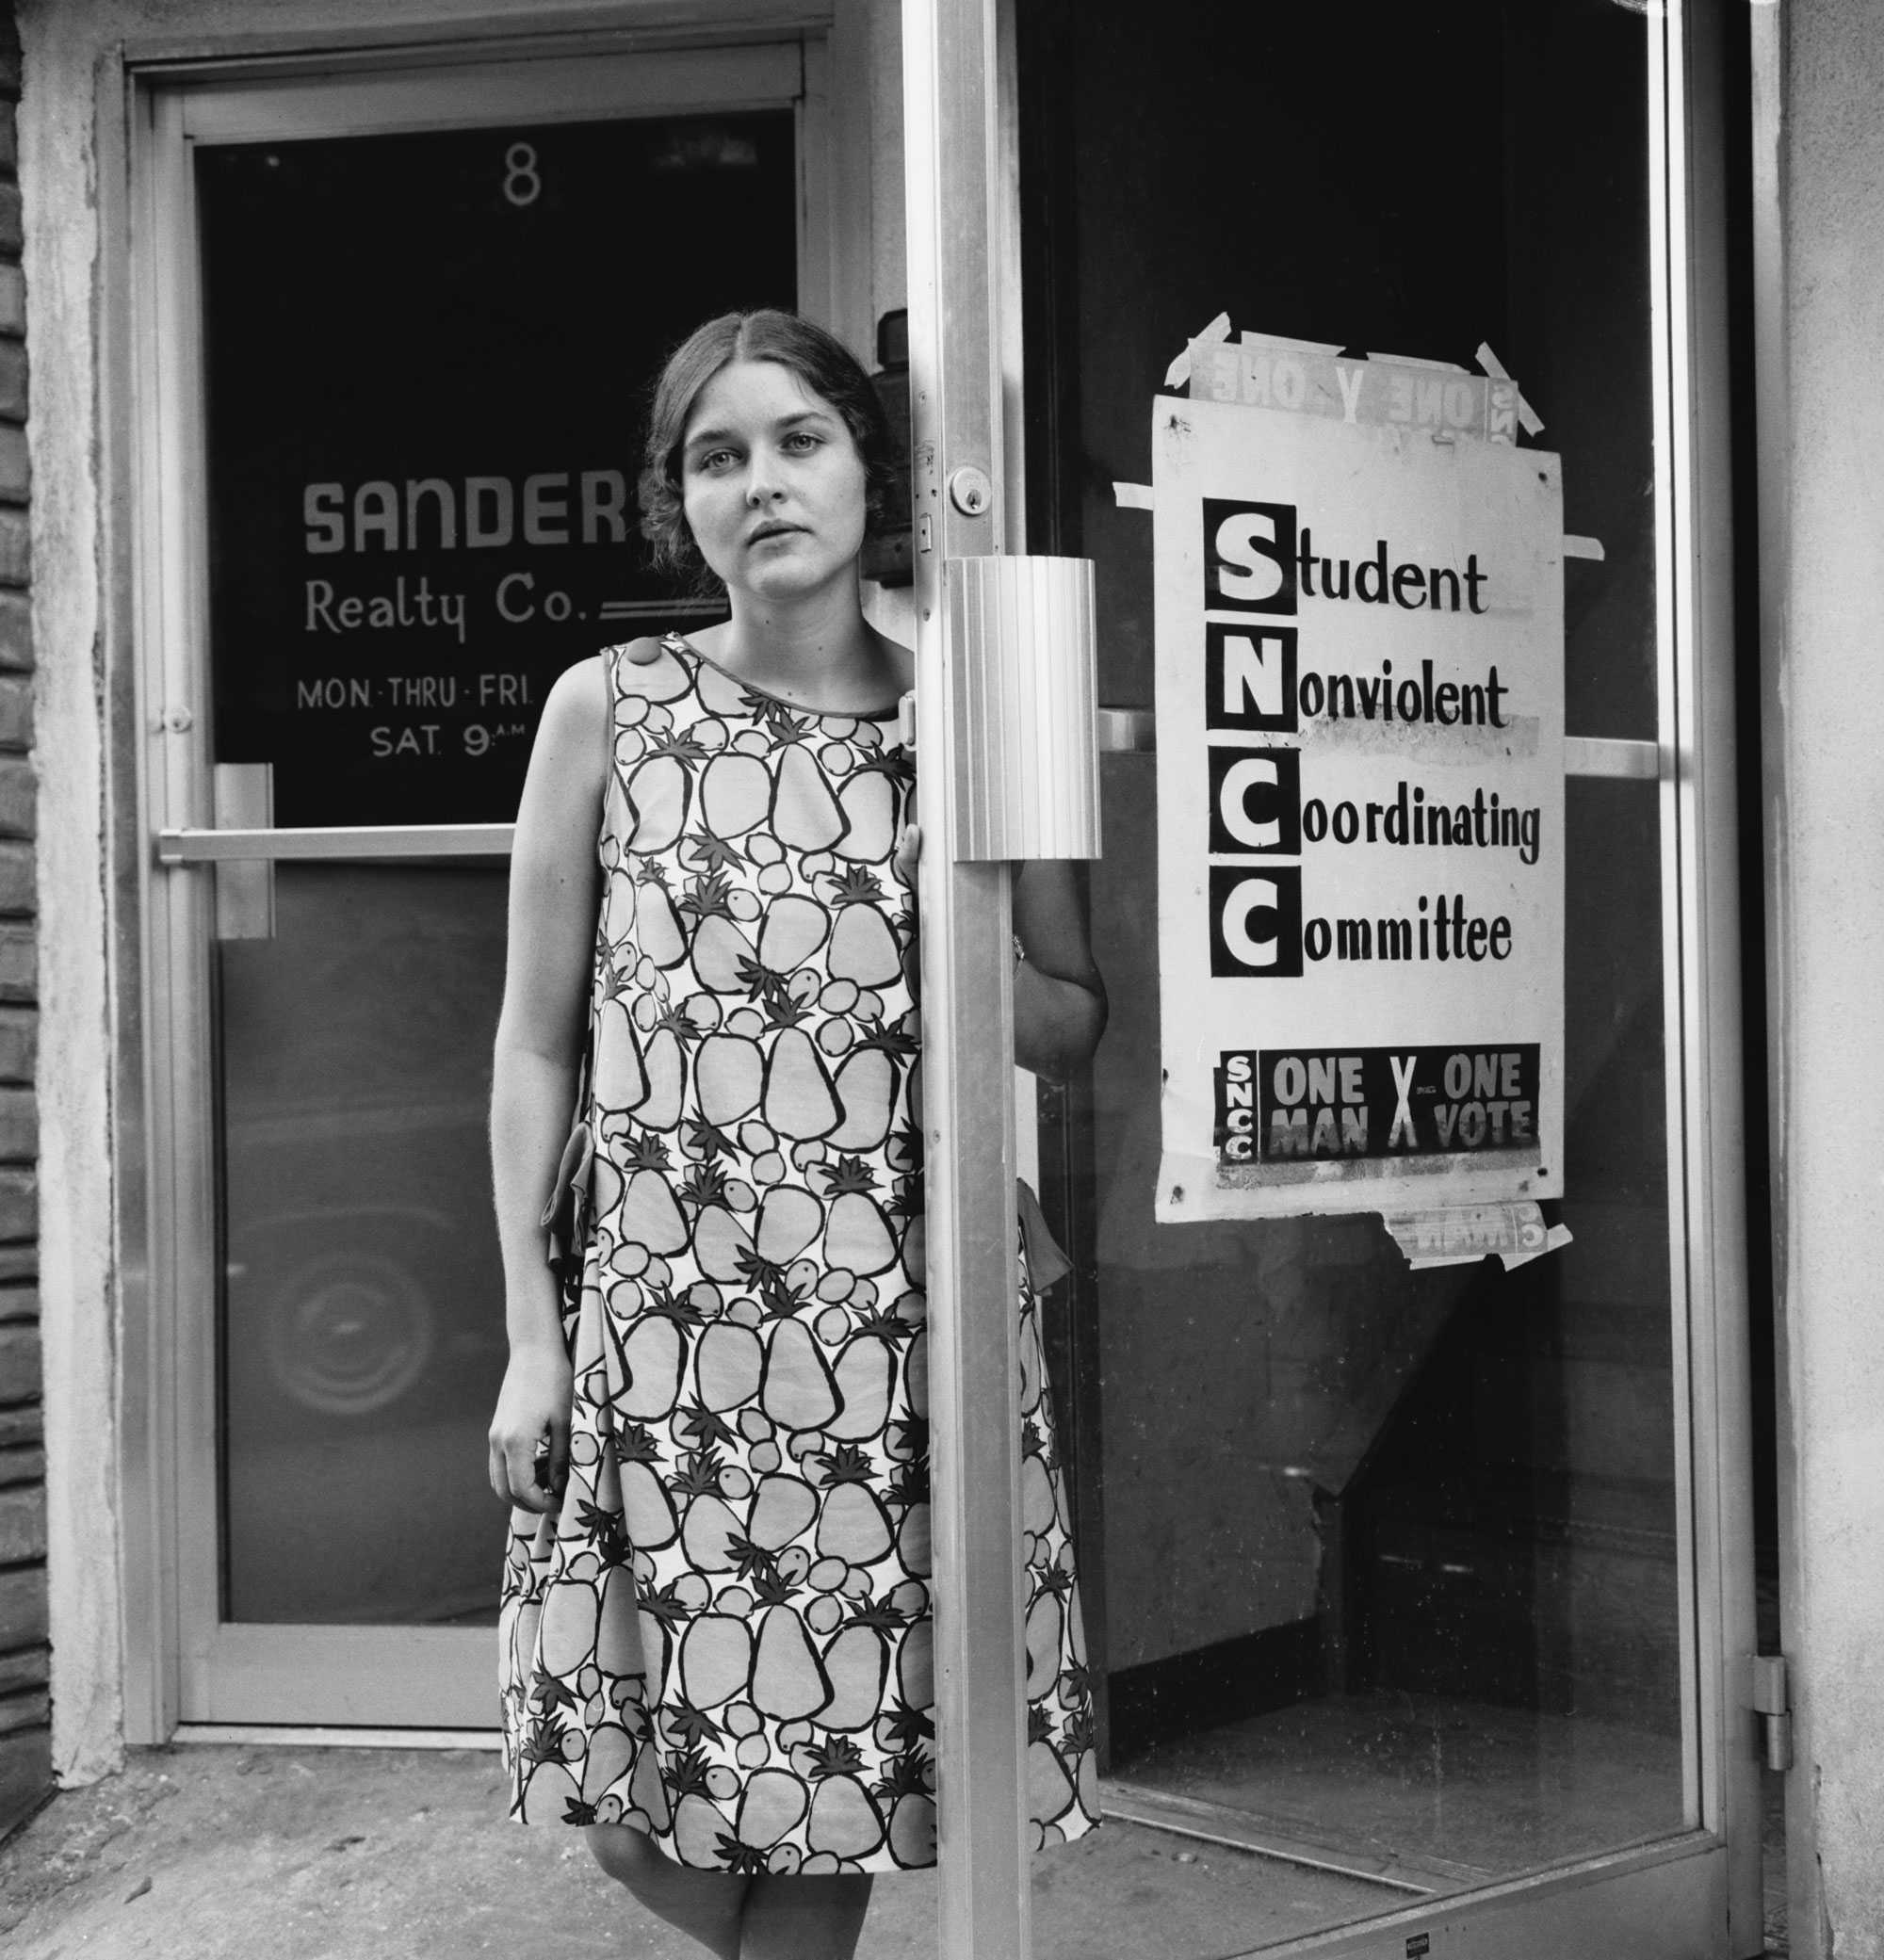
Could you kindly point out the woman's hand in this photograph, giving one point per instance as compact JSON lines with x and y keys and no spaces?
{"x":531,"y":1423}
{"x":908,"y":854}
{"x":1058,"y":998}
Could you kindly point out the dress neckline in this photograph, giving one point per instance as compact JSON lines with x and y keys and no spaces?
{"x":798,"y":708}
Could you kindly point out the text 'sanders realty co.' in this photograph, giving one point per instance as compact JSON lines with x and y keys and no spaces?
{"x":1360,"y":731}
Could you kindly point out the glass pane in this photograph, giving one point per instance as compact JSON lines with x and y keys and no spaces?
{"x":1381,"y":1563}
{"x":425,"y":364}
{"x":364,"y":1335}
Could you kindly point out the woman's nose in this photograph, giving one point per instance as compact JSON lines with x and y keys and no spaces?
{"x":763,"y":481}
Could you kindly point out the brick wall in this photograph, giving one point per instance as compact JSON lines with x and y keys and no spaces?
{"x":26,"y":1742}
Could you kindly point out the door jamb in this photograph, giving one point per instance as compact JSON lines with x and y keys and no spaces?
{"x":1701,"y":826}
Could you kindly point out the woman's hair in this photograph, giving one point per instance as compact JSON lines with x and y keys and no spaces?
{"x":822,"y":363}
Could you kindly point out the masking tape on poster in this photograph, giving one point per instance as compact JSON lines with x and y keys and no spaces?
{"x":1513,"y":1233}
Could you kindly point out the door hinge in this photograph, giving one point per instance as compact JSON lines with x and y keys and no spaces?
{"x":1773,"y":1703}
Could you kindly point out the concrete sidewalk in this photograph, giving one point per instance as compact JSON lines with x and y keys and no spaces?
{"x":211,"y":1853}
{"x":199,"y":1853}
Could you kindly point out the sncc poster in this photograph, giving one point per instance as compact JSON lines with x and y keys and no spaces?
{"x":1359,"y":626}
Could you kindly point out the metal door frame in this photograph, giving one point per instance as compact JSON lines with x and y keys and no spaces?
{"x":1696,"y":1892}
{"x":183,"y":1665}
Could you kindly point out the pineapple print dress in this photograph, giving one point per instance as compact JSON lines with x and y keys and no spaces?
{"x":723,"y":1635}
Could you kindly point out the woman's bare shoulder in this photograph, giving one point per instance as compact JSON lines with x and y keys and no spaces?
{"x":585,"y":683}
{"x":652,"y":668}
{"x":569,"y":756}
{"x":578,"y":704}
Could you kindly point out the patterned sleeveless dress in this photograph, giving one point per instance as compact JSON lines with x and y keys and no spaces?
{"x":723,"y":1635}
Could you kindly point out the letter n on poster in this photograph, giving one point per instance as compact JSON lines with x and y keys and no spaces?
{"x":1360,"y":808}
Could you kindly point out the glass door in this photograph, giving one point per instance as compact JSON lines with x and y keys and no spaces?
{"x":1416,"y":1589}
{"x":401,"y":326}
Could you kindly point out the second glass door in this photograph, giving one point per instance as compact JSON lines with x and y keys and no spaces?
{"x":1390,"y":1573}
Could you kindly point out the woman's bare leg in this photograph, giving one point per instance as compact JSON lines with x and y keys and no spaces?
{"x":803,"y":1919}
{"x":705,"y":1905}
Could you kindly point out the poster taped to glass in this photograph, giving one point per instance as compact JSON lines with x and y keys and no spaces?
{"x":1360,"y":804}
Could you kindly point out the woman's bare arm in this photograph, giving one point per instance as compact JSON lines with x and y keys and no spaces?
{"x":555,"y":887}
{"x":1058,"y":998}
{"x":1060,"y":1005}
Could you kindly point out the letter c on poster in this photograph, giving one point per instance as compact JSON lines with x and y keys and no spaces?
{"x":1260,"y":774}
{"x":1253,"y":895}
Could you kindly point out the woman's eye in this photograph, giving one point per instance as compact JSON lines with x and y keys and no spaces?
{"x":801,"y":440}
{"x":715,"y":460}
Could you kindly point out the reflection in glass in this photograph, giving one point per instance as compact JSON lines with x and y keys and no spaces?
{"x":363,"y":1313}
{"x":1382,"y":1565}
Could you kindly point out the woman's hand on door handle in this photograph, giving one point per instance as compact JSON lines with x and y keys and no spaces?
{"x":1058,"y":998}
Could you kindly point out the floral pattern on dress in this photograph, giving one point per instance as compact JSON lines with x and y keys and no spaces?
{"x":723,"y":1634}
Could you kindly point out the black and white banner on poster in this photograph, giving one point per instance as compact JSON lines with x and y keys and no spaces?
{"x":1360,"y":806}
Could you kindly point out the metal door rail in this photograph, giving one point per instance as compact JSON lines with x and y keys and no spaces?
{"x":1132,"y":731}
{"x":1121,"y":731}
{"x":339,"y":843}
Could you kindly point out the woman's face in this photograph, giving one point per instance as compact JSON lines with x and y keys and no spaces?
{"x":771,"y":483}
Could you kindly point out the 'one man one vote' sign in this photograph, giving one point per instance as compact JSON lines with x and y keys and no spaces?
{"x":1360,"y":623}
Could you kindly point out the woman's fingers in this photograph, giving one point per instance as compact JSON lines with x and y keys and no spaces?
{"x":527,"y":1471}
{"x":505,"y":1453}
{"x":530,"y":1432}
{"x":521,"y":1461}
{"x":908,"y":851}
{"x":552,"y":1461}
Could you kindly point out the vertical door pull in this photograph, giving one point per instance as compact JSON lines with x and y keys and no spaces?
{"x":1026,"y":766}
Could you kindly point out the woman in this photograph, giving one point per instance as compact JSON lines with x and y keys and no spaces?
{"x":716,"y":1624}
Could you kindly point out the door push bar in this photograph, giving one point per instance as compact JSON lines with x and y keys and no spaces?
{"x":1134,"y":730}
{"x":339,"y":842}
